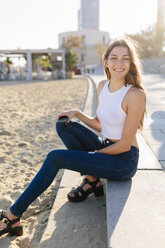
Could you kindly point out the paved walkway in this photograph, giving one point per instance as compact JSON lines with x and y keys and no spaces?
{"x":154,"y":124}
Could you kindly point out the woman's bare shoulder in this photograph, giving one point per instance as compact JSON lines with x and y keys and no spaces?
{"x":136,"y":91}
{"x":136,"y":94}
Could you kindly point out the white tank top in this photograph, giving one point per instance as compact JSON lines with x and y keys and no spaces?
{"x":110,"y":113}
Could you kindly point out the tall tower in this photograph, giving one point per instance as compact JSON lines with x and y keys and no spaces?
{"x":161,"y":13}
{"x":88,"y":29}
{"x":160,"y":26}
{"x":88,"y":16}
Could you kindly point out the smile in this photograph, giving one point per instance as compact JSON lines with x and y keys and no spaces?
{"x":119,"y":70}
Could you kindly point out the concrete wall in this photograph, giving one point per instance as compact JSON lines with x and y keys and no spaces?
{"x":91,"y":36}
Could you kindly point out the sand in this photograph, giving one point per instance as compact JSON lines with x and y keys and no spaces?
{"x":27,"y":133}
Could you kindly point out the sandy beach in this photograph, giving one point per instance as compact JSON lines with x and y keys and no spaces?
{"x":27,"y":133}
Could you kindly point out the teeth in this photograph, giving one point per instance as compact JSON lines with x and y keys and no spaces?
{"x":119,"y":70}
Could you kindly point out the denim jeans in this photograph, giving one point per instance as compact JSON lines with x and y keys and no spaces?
{"x":81,"y":157}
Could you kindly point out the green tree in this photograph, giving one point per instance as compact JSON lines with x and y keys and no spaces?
{"x":73,"y":43}
{"x":43,"y":61}
{"x":100,"y":49}
{"x":71,"y":60}
{"x":149,"y":44}
{"x":73,"y":46}
{"x":8,"y":62}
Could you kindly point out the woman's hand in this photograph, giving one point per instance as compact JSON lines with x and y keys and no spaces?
{"x":70,"y":114}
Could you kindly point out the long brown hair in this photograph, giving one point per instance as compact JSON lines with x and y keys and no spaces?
{"x":134,"y":75}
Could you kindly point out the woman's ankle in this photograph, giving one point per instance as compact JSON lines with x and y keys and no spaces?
{"x":91,"y":178}
{"x":9,"y":215}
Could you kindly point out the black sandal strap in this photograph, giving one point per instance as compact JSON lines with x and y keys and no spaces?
{"x":8,"y":222}
{"x":76,"y":191}
{"x":93,"y":184}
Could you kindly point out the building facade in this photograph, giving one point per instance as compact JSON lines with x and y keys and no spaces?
{"x":88,"y":28}
{"x":91,"y":39}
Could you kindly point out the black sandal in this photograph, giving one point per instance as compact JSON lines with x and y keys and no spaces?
{"x":18,"y":230}
{"x":98,"y":191}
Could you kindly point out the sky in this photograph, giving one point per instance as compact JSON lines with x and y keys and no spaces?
{"x":35,"y":24}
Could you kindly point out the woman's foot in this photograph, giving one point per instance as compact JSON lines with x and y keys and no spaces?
{"x":10,"y":223}
{"x":86,"y":185}
{"x":89,"y":185}
{"x":10,"y":216}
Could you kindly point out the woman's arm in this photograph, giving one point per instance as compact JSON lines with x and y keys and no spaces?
{"x":92,"y":122}
{"x":136,"y":105}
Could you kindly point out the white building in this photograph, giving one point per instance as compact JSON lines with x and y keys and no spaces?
{"x":91,"y":39}
{"x":88,"y":28}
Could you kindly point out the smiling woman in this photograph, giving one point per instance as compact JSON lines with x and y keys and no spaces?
{"x":118,"y":62}
{"x":122,"y":56}
{"x":114,"y":156}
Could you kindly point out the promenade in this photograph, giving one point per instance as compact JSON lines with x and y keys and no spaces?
{"x":135,"y":214}
{"x":154,"y":124}
{"x":81,"y":225}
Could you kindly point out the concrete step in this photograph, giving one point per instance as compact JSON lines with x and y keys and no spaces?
{"x":147,"y":159}
{"x":135,"y":216}
{"x":135,"y":208}
{"x":75,"y":225}
{"x":135,"y":211}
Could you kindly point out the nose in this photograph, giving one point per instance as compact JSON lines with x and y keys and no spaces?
{"x":119,"y":62}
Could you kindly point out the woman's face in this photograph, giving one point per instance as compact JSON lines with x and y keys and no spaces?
{"x":118,"y":62}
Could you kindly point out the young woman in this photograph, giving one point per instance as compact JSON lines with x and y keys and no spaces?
{"x":120,"y":112}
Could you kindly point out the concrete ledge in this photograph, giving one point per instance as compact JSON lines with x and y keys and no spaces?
{"x":135,"y":211}
{"x":147,"y":159}
{"x":76,"y":225}
{"x":135,"y":208}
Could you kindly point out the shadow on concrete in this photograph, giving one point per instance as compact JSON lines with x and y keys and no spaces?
{"x":77,"y":225}
{"x":5,"y":241}
{"x":158,"y":132}
{"x":118,"y":193}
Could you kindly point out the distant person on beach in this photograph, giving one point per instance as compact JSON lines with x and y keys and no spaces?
{"x":114,"y":155}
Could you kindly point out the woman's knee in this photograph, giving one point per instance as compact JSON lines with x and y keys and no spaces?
{"x":62,"y":127}
{"x":50,"y":157}
{"x":59,"y":127}
{"x":54,"y":157}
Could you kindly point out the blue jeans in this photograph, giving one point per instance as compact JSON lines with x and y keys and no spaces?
{"x":80,"y":156}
